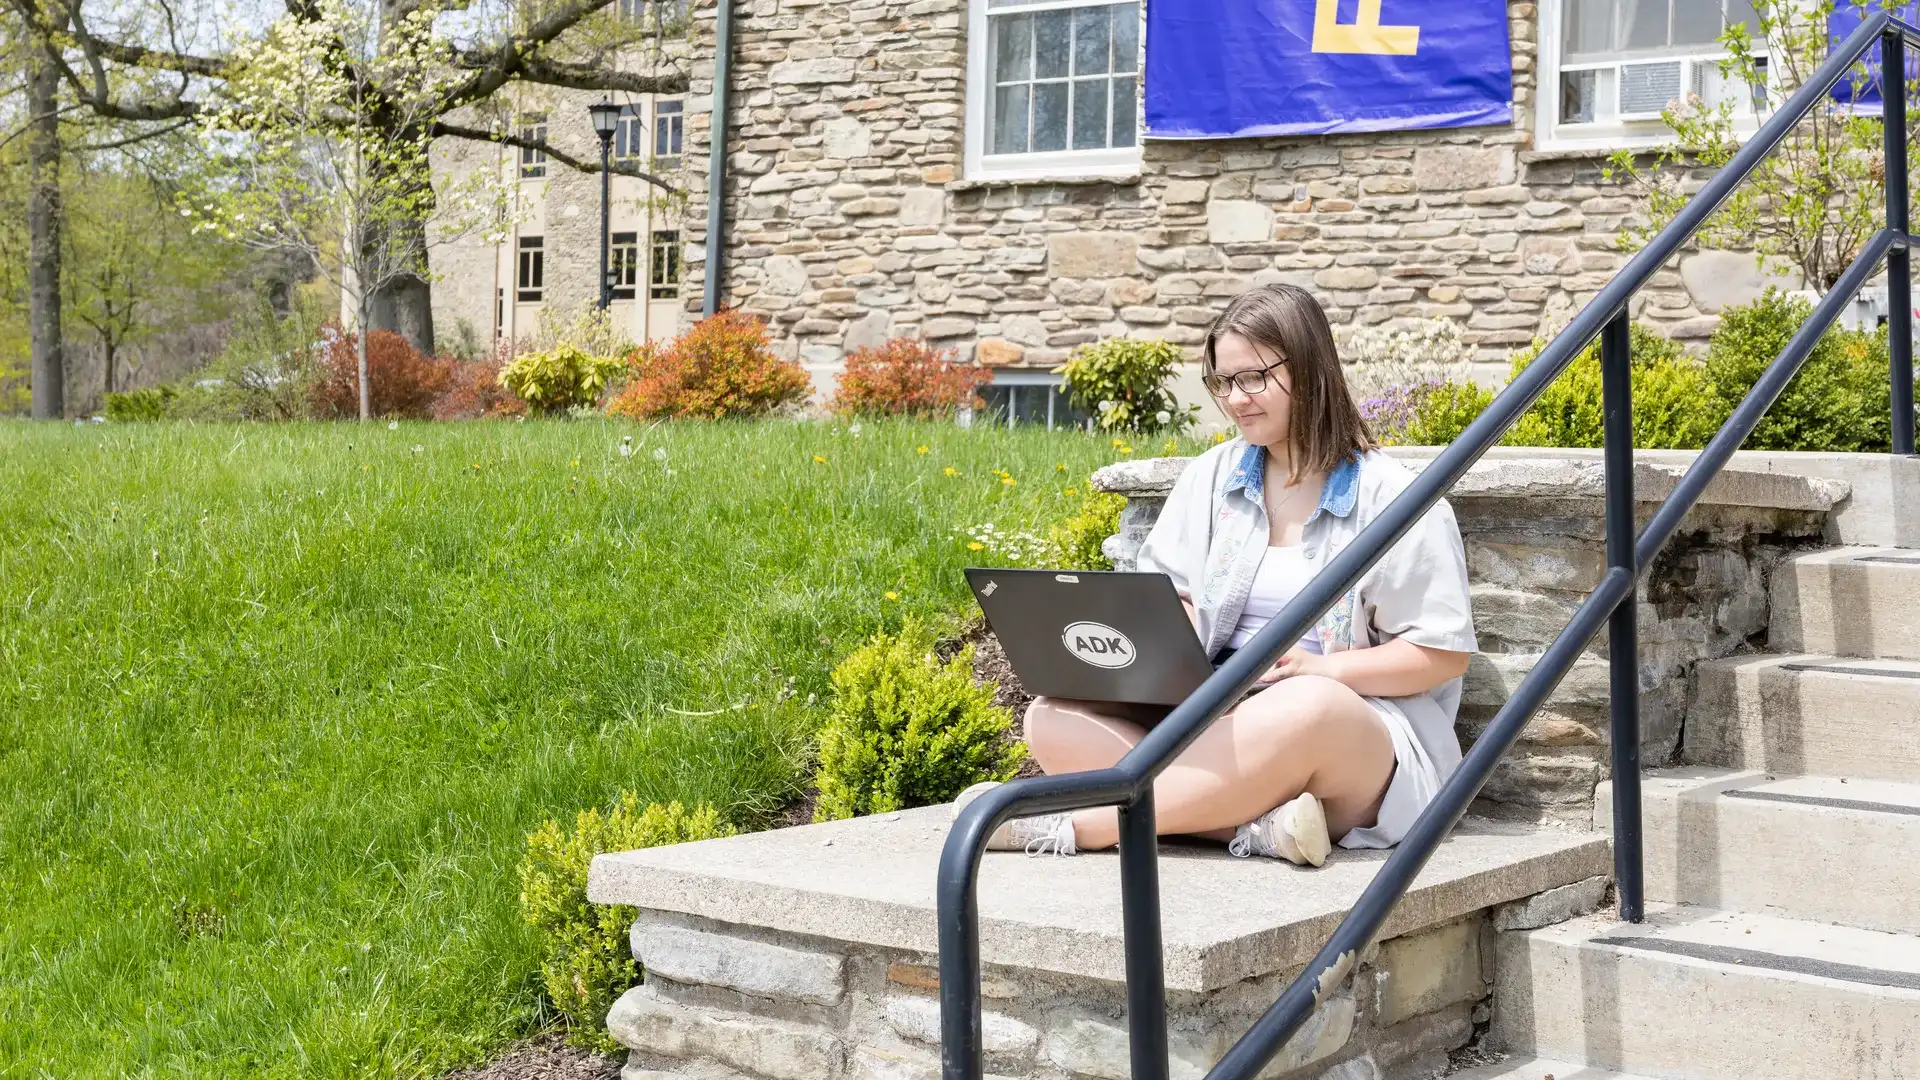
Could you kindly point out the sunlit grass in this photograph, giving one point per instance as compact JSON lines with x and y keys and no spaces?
{"x":278,"y":705}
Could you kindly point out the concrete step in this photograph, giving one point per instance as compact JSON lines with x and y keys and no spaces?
{"x":1848,"y":602}
{"x":871,"y":881}
{"x":1700,"y":994}
{"x":1825,"y":849}
{"x":1808,"y":715}
{"x":1540,"y":1069}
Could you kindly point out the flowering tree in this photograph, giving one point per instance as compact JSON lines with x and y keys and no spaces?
{"x":371,"y":82}
{"x":1819,"y":196}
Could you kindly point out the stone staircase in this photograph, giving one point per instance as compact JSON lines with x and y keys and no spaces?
{"x":1782,"y":877}
{"x":1782,"y":867}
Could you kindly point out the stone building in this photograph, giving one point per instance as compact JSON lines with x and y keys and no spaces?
{"x":873,"y":192}
{"x":548,"y":262}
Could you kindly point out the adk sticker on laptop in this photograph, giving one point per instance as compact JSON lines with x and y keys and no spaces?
{"x":1098,"y":644}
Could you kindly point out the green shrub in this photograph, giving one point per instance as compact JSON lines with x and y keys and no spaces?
{"x":152,"y":403}
{"x":589,"y":962}
{"x":1123,"y":383}
{"x":1442,"y":412}
{"x":1075,"y":543}
{"x":561,"y":378}
{"x":907,"y":730}
{"x":1673,"y":403}
{"x":1840,"y":400}
{"x":267,"y":371}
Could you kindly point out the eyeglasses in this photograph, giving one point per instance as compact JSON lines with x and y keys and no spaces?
{"x":1249,"y":382}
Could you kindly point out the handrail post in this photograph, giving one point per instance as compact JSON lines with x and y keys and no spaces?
{"x":1893,"y":113}
{"x":1140,"y":922}
{"x":1623,"y":636}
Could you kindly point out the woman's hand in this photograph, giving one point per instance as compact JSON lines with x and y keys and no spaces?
{"x":1395,"y":669}
{"x":1298,"y":661}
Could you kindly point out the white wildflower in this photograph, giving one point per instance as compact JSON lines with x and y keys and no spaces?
{"x":660,"y":453}
{"x":393,"y":425}
{"x":1163,"y":418}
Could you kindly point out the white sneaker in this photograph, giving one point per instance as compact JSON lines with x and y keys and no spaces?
{"x":1045,"y":834}
{"x":1296,"y":832}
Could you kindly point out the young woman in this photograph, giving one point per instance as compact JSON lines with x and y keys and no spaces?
{"x":1352,"y":733}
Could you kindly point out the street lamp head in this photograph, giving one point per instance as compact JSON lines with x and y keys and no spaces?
{"x":606,"y":117}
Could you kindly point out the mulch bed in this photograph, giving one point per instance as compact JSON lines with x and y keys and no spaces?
{"x":545,"y":1058}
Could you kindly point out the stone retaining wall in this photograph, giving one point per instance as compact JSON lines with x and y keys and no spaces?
{"x":1536,"y":545}
{"x":738,"y":1003}
{"x":851,"y":219}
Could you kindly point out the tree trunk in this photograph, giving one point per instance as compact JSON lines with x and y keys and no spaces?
{"x":366,"y":388}
{"x":108,"y":349}
{"x":44,"y":219}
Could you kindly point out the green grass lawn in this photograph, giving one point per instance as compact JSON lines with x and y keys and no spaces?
{"x":278,"y":705}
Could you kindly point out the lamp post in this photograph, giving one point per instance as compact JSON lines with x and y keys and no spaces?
{"x":606,"y":118}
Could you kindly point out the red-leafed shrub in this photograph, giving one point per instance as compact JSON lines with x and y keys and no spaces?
{"x":404,"y":382}
{"x":474,"y":392}
{"x":724,"y":366}
{"x":907,"y":377}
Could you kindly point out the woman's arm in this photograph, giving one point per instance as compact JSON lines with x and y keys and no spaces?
{"x":1396,"y":669}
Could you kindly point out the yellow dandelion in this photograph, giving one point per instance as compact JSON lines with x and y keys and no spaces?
{"x":1062,"y":467}
{"x":976,"y":546}
{"x":575,"y":464}
{"x":1073,"y":491}
{"x":1119,"y":443}
{"x":1008,"y":480}
{"x":1126,"y":449}
{"x":922,"y":450}
{"x":951,"y":471}
{"x":893,"y":596}
{"x":1219,"y":436}
{"x":820,"y":459}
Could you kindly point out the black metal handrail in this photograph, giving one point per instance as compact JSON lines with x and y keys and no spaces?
{"x":1129,"y":784}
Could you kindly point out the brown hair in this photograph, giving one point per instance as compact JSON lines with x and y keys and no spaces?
{"x":1326,"y":425}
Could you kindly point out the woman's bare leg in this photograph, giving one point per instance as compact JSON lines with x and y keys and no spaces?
{"x":1302,"y":734}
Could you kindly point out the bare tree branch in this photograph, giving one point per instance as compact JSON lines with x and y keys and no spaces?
{"x":506,"y":138}
{"x":134,"y":139}
{"x":590,"y":77}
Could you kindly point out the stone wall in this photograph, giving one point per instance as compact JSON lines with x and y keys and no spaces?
{"x":1536,"y":545}
{"x":725,"y":1001}
{"x":850,"y":219}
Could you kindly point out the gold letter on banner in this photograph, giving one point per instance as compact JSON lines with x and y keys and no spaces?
{"x":1364,"y":35}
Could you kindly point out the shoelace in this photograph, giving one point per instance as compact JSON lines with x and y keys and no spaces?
{"x":1248,"y":839}
{"x":1056,"y":839}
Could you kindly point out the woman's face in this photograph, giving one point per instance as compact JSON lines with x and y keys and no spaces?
{"x":1264,"y":417}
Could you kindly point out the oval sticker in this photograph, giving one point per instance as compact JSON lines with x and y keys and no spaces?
{"x":1098,"y":644}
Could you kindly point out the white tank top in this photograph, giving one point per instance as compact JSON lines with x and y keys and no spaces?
{"x":1283,"y":573}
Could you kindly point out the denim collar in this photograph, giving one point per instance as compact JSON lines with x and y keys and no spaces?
{"x":1338,"y":497}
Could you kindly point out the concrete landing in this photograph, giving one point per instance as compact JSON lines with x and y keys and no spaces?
{"x":1539,"y":1069}
{"x":871,"y":881}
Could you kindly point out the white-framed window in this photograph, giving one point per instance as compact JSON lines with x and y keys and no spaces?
{"x":530,"y":279}
{"x":1027,"y":399}
{"x":663,"y":276}
{"x":629,"y":142}
{"x":623,"y":263}
{"x":669,"y":129}
{"x":1053,"y":88}
{"x":1608,"y":68}
{"x":533,"y":163}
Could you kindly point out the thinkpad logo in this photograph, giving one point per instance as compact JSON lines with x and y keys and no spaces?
{"x":1098,"y":644}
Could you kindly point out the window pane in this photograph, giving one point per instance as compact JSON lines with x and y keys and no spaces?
{"x":1696,"y":22}
{"x":1126,"y":111}
{"x":1741,"y":11}
{"x":1090,"y":114}
{"x":1578,"y":91}
{"x":1092,"y":41}
{"x":1052,"y":36}
{"x":996,"y":407}
{"x":1050,"y":116}
{"x":1030,"y":404}
{"x":1590,"y":26}
{"x":1010,"y":119}
{"x":1126,"y":37}
{"x":1646,"y":24}
{"x":1013,"y":48}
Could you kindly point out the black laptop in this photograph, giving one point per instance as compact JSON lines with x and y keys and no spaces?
{"x":1096,"y":636}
